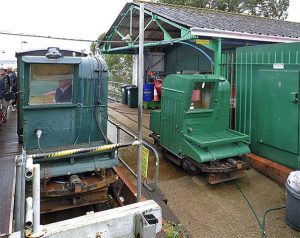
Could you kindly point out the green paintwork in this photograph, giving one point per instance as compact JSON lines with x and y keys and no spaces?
{"x":228,"y":71}
{"x":267,"y":100}
{"x":201,"y":134}
{"x":108,"y":46}
{"x":218,"y":57}
{"x":185,"y":33}
{"x":183,"y":57}
{"x":167,"y":37}
{"x":155,"y":121}
{"x":132,"y":97}
{"x":61,"y":123}
{"x":216,"y":47}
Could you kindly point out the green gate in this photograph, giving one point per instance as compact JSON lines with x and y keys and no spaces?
{"x":265,"y":79}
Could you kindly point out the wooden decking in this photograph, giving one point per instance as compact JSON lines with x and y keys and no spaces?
{"x":9,"y":148}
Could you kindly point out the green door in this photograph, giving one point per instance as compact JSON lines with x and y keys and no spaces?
{"x":278,"y":108}
{"x":171,"y":120}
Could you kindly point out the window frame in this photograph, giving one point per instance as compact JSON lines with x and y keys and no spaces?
{"x":212,"y":98}
{"x":55,"y":104}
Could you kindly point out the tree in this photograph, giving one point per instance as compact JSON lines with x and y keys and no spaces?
{"x":94,"y":45}
{"x":119,"y":65}
{"x":276,"y":9}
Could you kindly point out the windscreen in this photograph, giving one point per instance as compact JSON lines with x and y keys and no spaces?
{"x":51,"y":83}
{"x":201,"y":96}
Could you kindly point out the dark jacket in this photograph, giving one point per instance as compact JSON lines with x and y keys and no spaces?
{"x":63,"y":96}
{"x":13,"y":81}
{"x":4,"y":86}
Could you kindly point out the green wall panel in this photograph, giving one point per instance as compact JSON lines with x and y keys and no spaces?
{"x":267,"y":107}
{"x":183,"y":57}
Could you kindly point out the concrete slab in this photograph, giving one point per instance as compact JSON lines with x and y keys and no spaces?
{"x":213,"y":210}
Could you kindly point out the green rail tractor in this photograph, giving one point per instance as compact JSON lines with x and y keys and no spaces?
{"x":192,"y":127}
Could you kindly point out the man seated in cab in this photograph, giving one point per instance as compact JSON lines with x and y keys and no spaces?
{"x":64,"y":92}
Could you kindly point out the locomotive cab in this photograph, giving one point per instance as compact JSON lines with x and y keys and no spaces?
{"x":193,"y":126}
{"x":63,"y":107}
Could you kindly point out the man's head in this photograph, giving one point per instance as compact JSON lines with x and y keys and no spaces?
{"x":64,"y":83}
{"x":2,"y":72}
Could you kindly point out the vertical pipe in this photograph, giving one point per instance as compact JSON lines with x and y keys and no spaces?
{"x":29,"y":213}
{"x":236,"y":88}
{"x":36,"y":198}
{"x":240,"y":101}
{"x":130,"y":29}
{"x":250,"y":100}
{"x":28,"y":167}
{"x":22,"y":200}
{"x":218,"y":57}
{"x":140,"y":102}
{"x":231,"y":88}
{"x":118,"y":137}
{"x":227,"y":77}
{"x":227,"y":66}
{"x":246,"y":88}
{"x":18,"y":193}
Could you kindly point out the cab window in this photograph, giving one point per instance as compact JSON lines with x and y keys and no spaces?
{"x":201,"y":95}
{"x":51,"y":84}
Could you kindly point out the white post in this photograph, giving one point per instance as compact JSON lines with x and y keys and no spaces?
{"x":36,"y":199}
{"x":140,"y":104}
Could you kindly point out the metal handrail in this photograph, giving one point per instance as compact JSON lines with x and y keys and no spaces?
{"x":154,"y":187}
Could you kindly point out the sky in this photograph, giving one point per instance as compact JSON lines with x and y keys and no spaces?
{"x":62,"y":18}
{"x":65,"y":18}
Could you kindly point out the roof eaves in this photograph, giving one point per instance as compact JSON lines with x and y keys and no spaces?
{"x":241,"y":35}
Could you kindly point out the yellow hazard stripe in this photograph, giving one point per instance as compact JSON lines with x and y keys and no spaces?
{"x":76,"y":151}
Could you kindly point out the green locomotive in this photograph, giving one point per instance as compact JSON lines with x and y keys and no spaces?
{"x":62,"y":106}
{"x":192,"y":127}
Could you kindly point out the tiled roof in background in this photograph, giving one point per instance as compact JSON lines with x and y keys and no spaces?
{"x":211,"y":19}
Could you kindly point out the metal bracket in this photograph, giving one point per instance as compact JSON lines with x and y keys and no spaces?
{"x":145,"y":225}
